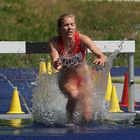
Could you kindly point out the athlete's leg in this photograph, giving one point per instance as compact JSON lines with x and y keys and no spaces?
{"x":87,"y":105}
{"x":86,"y":90}
{"x":70,"y":109}
{"x":71,"y":87}
{"x":68,"y":83}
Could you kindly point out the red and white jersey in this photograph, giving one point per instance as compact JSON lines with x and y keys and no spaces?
{"x":74,"y":55}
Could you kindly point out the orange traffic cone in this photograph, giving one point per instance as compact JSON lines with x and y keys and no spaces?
{"x":124,"y":101}
{"x":114,"y":103}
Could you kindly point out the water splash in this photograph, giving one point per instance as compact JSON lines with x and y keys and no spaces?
{"x":49,"y":104}
{"x":100,"y":81}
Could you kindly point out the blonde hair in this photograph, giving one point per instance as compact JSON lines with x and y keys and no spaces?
{"x":60,"y":20}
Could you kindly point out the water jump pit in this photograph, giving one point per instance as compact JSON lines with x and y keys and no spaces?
{"x":41,"y":113}
{"x":116,"y":125}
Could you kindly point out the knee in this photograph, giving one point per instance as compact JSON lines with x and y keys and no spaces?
{"x":75,"y":94}
{"x":72,"y":90}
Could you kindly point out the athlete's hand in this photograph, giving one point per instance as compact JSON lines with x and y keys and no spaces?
{"x":100,"y":61}
{"x":58,"y":64}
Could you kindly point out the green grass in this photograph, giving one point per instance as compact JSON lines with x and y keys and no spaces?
{"x":35,"y":20}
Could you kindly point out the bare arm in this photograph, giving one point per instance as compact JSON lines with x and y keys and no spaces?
{"x":101,"y":58}
{"x":54,"y":56}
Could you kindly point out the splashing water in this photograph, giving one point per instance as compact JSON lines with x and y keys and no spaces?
{"x":100,"y":82}
{"x":49,"y":104}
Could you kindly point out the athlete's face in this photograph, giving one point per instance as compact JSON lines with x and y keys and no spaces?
{"x":68,"y":27}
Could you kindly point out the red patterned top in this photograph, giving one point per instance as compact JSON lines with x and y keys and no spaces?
{"x":74,"y":55}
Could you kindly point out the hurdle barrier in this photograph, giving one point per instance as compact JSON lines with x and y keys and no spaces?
{"x":23,"y":47}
